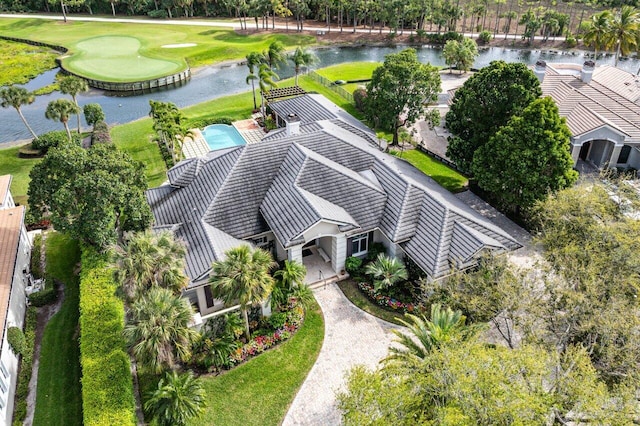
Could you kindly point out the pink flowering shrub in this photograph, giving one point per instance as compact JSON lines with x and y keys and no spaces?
{"x":259,"y":344}
{"x":386,"y":301}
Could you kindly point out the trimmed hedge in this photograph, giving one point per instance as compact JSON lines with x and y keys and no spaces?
{"x":53,"y":139}
{"x":26,"y":367}
{"x":100,"y":133}
{"x":107,"y":387}
{"x":44,"y":297}
{"x":16,"y":340}
{"x":36,"y":257}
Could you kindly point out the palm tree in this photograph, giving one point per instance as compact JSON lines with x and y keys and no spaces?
{"x":158,"y":330}
{"x":289,"y":278}
{"x":16,"y":97}
{"x":147,"y":260}
{"x":254,"y":59}
{"x":598,"y":32}
{"x":177,"y":399}
{"x":243,"y":278}
{"x":426,"y":335}
{"x":72,"y":85}
{"x":386,"y":271}
{"x":267,"y":79}
{"x":275,"y":55}
{"x":623,"y":30}
{"x":60,"y":110}
{"x":302,"y":58}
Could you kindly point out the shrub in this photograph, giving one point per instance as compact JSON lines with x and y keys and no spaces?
{"x":44,"y":297}
{"x":157,"y":14}
{"x":93,"y":114}
{"x":485,"y":36}
{"x":270,"y":123}
{"x":100,"y":133}
{"x":107,"y":388}
{"x":445,"y":37}
{"x":277,"y":320}
{"x":26,"y":366}
{"x":16,"y":340}
{"x":53,"y":139}
{"x":421,"y":34}
{"x":201,"y":123}
{"x":353,"y":265}
{"x":374,"y":250}
{"x":359,"y":98}
{"x":36,"y":257}
{"x":570,"y":41}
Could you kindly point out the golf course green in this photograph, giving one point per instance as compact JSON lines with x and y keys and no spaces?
{"x":118,"y":58}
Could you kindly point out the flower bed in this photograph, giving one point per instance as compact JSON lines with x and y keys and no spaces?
{"x":259,"y":344}
{"x":386,"y":301}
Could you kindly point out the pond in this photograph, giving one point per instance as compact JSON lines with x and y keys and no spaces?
{"x":216,"y":81}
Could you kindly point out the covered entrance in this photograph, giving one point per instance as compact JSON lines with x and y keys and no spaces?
{"x":317,"y":258}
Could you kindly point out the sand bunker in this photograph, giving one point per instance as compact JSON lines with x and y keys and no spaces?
{"x":175,"y":46}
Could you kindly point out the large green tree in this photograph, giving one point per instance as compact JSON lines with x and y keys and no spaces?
{"x":60,"y":110}
{"x":16,"y":97}
{"x":528,"y":158}
{"x":486,"y":102}
{"x":158,"y":329}
{"x":94,"y":195}
{"x":460,"y":54}
{"x":177,"y":399}
{"x":243,"y":278}
{"x":399,"y":91}
{"x":72,"y":85}
{"x":149,"y":259}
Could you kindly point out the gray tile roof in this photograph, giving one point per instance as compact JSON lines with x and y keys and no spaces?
{"x":306,"y":107}
{"x":330,"y":172}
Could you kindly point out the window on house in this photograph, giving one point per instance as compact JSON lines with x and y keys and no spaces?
{"x":3,"y":370}
{"x":359,"y":245}
{"x":208,"y":296}
{"x":624,"y":154}
{"x":3,"y":386}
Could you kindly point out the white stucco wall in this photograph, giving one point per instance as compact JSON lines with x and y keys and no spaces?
{"x":393,"y":250}
{"x":321,"y":229}
{"x":338,"y":252}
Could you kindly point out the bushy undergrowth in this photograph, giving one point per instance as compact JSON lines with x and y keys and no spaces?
{"x":26,"y":365}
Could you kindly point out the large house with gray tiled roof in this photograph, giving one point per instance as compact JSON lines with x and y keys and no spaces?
{"x":318,"y":188}
{"x":602,"y":108}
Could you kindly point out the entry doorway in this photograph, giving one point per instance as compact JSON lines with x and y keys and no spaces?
{"x":584,"y":151}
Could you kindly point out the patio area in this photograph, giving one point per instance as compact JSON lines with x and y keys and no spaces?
{"x":196,"y":146}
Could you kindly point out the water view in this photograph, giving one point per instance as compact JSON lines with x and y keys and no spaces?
{"x":216,"y":81}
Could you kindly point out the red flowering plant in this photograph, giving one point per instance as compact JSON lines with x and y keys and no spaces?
{"x":387,"y":301}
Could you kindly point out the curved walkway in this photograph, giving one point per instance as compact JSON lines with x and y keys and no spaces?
{"x":352,"y":337}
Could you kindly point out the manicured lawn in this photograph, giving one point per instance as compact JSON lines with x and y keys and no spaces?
{"x":355,"y":296}
{"x":98,"y":56}
{"x":20,"y":62}
{"x":349,"y":71}
{"x":211,"y":44}
{"x":19,"y":168}
{"x":59,"y":396}
{"x":444,"y":175}
{"x":260,"y":391}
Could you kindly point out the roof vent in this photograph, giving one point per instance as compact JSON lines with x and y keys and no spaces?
{"x":540,"y":69}
{"x":293,"y":124}
{"x":587,"y":71}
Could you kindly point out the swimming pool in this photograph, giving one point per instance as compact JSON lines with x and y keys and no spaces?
{"x":219,"y":136}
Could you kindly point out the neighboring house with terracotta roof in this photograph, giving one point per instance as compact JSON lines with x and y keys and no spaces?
{"x":602,"y":108}
{"x":317,"y":191}
{"x":15,"y":252}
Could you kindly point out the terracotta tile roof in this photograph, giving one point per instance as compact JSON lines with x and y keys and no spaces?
{"x":10,"y":226}
{"x":5,"y":183}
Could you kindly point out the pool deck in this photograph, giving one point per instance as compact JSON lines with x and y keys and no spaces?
{"x":197,"y":146}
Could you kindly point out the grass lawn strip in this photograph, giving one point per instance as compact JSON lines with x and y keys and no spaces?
{"x":355,"y":296}
{"x":441,"y":173}
{"x":59,"y":395}
{"x":349,"y":71}
{"x":260,"y":391}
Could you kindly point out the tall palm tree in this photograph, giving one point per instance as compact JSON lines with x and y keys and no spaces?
{"x":386,"y":271}
{"x":275,"y":55}
{"x":623,"y":30}
{"x":60,"y":110}
{"x":598,"y":32}
{"x":254,"y":59}
{"x":427,"y":335}
{"x":72,"y":85}
{"x":158,"y":330}
{"x":16,"y":97}
{"x":147,"y":260}
{"x":302,"y":58}
{"x":243,"y":278}
{"x":267,"y":80}
{"x":177,"y":399}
